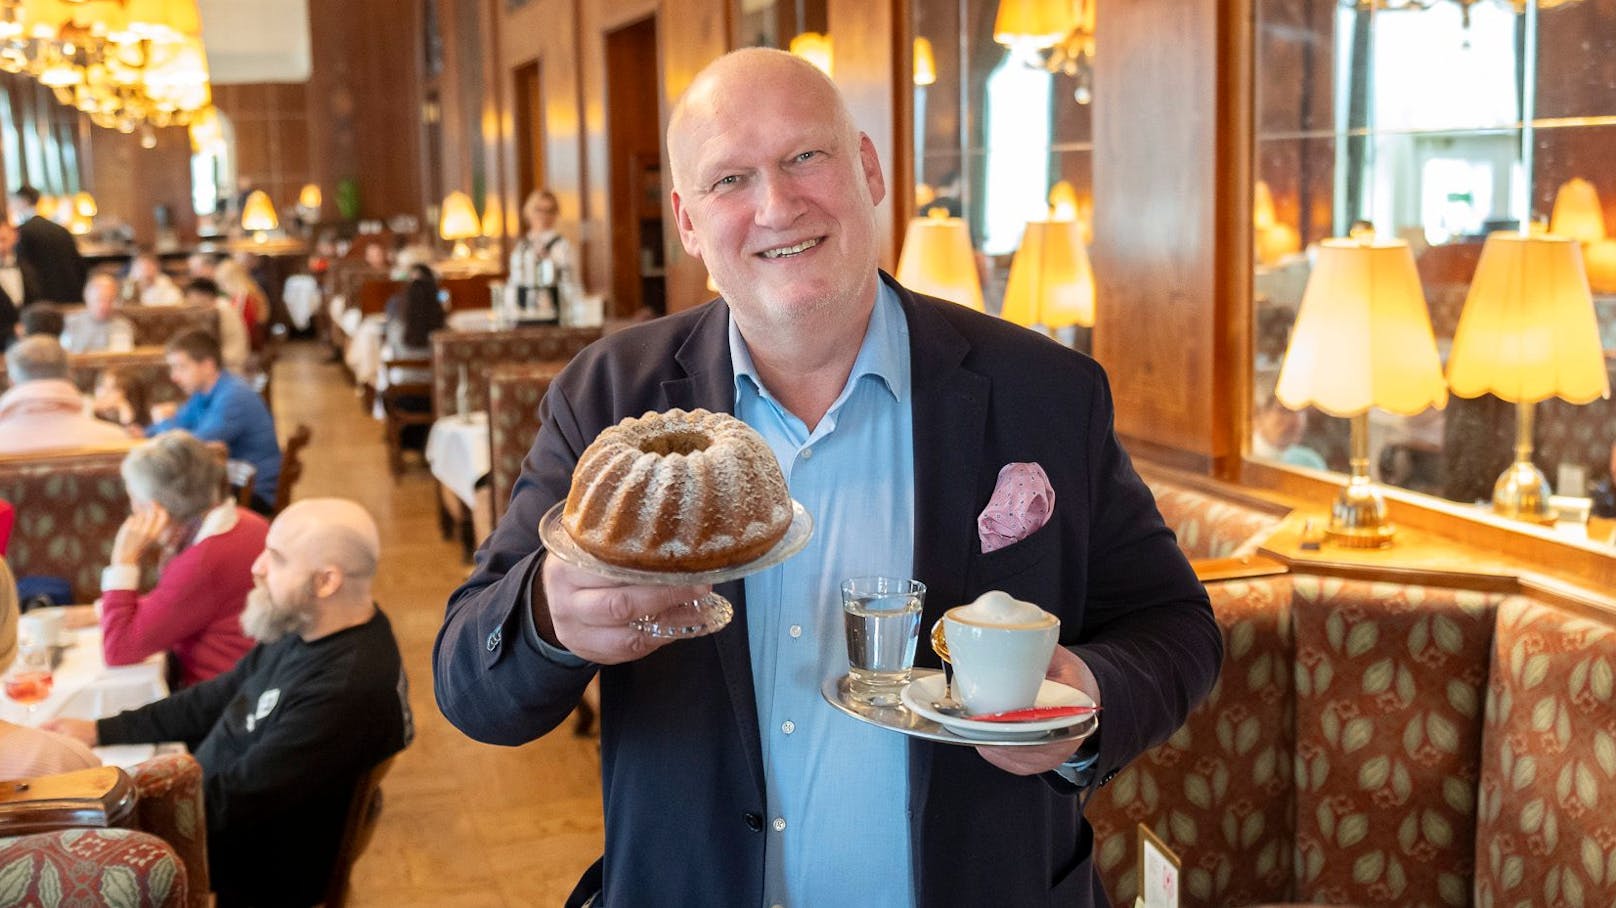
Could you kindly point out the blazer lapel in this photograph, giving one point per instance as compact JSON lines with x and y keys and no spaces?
{"x":709,"y":383}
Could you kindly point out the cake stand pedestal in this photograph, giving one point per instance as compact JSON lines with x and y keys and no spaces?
{"x":695,"y":618}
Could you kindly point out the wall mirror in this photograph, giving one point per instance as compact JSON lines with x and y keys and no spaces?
{"x":997,"y":127}
{"x":1436,"y":122}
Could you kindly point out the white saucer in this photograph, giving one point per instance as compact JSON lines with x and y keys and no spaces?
{"x":919,"y":694}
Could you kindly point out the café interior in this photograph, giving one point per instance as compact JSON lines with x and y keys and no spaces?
{"x":1349,"y":265}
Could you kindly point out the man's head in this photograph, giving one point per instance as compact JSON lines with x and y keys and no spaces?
{"x":193,"y":361}
{"x":202,"y":291}
{"x":775,"y":189}
{"x":1280,"y":426}
{"x":8,"y":237}
{"x":35,"y":359}
{"x":200,"y":264}
{"x":176,"y":471}
{"x":376,"y":256}
{"x":318,"y":559}
{"x":541,"y":210}
{"x":23,"y":203}
{"x":100,"y":295}
{"x":41,"y":319}
{"x":144,"y":269}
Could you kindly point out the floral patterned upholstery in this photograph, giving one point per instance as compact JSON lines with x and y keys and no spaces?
{"x":149,"y":365}
{"x":1219,"y":791}
{"x":170,"y":806}
{"x":514,"y":392}
{"x":479,"y":351}
{"x":91,"y":868}
{"x":69,"y":508}
{"x":1390,"y":680}
{"x":1209,"y":527}
{"x":1547,"y":830}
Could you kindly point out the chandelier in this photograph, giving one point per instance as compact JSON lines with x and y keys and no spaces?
{"x":126,"y":64}
{"x":1053,"y":35}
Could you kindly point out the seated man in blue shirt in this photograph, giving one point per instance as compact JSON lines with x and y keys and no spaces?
{"x":222,"y":407}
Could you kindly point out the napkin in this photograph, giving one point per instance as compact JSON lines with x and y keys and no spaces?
{"x":1021,"y":503}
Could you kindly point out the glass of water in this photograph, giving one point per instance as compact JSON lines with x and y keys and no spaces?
{"x":882,"y":620}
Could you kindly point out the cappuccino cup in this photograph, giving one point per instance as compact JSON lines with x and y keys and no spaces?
{"x":1000,"y":649}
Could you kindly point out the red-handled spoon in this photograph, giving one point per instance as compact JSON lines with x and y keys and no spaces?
{"x":1036,"y":714}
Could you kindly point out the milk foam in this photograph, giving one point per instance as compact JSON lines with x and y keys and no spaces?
{"x":999,"y":609}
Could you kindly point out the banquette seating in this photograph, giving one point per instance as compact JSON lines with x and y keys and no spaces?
{"x":1384,"y":743}
{"x":514,"y":393}
{"x":69,"y":506}
{"x":474,"y":353}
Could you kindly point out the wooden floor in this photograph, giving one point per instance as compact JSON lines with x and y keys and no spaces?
{"x":464,"y":824}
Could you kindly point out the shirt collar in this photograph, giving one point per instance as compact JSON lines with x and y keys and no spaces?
{"x":883,"y":354}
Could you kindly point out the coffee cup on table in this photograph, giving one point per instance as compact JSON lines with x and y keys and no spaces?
{"x":1000,"y":648}
{"x":42,"y":625}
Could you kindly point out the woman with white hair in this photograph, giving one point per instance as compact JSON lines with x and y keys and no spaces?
{"x":205,"y":546}
{"x":26,"y":752}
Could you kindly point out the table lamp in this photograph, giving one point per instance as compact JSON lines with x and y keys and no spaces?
{"x":1527,"y":333}
{"x":938,"y":261}
{"x":258,"y":215}
{"x":1579,"y":215}
{"x":1051,"y":283}
{"x":1362,"y":339}
{"x":458,"y":222}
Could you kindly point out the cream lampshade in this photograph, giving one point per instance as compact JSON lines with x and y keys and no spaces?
{"x":1362,"y":339}
{"x":493,"y":225}
{"x":1576,"y":213}
{"x":925,"y":63}
{"x":1528,"y":332}
{"x":1599,"y":257}
{"x":310,"y":198}
{"x":815,"y":48}
{"x":84,"y":205}
{"x":1062,"y":201}
{"x":458,"y":222}
{"x":937,"y":260}
{"x":258,"y":215}
{"x":1050,"y":282}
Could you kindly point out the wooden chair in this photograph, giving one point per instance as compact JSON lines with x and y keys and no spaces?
{"x":291,"y":465}
{"x":401,"y":408}
{"x":363,"y":811}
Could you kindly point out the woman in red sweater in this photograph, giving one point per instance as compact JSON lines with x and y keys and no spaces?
{"x":207,"y":547}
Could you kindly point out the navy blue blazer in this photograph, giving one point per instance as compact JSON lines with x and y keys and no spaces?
{"x":681,"y":763}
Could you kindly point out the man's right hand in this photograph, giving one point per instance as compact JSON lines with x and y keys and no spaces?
{"x":589,"y":615}
{"x":79,"y":730}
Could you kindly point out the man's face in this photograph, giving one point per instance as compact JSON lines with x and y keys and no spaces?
{"x":99,"y":297}
{"x":8,"y":237}
{"x":143,"y":270}
{"x":777,"y":196}
{"x":190,"y":375}
{"x":285,"y":592}
{"x":199,"y":266}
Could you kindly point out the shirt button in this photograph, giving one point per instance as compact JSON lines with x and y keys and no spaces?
{"x":779,"y":824}
{"x":788,"y":726}
{"x":807,"y":453}
{"x":796,"y":631}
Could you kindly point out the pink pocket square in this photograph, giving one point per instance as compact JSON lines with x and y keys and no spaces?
{"x":1021,"y":503}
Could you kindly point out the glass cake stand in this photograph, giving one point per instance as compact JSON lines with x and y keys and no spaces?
{"x":697,"y":617}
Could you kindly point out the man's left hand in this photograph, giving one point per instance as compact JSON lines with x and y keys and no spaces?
{"x":1068,"y":669}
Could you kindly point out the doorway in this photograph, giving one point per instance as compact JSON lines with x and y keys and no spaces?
{"x":634,"y":152}
{"x":529,"y":109}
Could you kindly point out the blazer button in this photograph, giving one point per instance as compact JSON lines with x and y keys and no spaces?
{"x":754,"y":821}
{"x":1109,"y":776}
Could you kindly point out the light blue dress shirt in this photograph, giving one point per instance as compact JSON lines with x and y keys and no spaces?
{"x":838,"y":789}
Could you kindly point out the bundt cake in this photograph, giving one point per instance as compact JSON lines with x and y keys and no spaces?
{"x":677,"y":491}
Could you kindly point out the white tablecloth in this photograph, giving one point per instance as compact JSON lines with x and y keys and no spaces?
{"x":472,"y":320}
{"x":85,"y":687}
{"x":457,"y":450}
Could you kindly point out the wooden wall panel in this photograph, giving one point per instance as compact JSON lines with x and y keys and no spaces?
{"x":691,"y":37}
{"x":1169,"y":147}
{"x":128,"y":181}
{"x":871,"y":66}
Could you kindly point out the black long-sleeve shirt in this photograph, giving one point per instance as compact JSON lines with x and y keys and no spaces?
{"x":282,"y":738}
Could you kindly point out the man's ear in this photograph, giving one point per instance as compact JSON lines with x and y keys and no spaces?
{"x":687,"y":230}
{"x":327,"y":581}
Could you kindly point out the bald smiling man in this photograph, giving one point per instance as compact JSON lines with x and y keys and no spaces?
{"x":284,"y":736}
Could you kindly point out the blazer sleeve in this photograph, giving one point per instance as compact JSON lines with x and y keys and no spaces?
{"x":1148,"y":634}
{"x":490,"y":679}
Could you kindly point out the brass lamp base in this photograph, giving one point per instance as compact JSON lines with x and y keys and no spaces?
{"x":1358,"y":518}
{"x":1522,"y":493}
